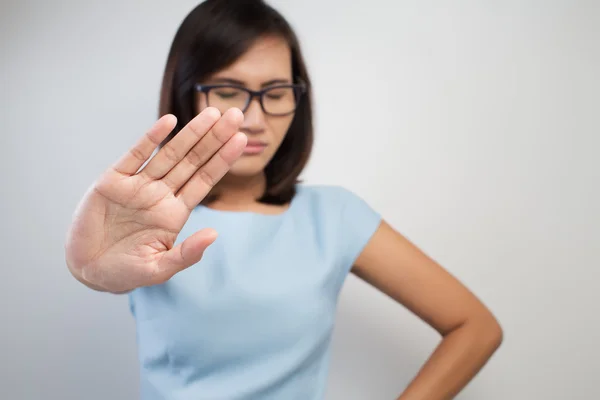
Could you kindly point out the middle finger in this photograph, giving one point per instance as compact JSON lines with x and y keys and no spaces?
{"x":176,"y":149}
{"x":202,"y":152}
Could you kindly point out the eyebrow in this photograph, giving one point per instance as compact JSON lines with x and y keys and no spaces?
{"x":242,"y":83}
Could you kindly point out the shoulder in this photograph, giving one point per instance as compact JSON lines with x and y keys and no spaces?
{"x":339,"y":205}
{"x":329,"y":196}
{"x":342,"y":216}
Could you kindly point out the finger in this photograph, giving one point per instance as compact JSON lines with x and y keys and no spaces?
{"x":174,"y":151}
{"x":210,"y":144}
{"x":203,"y":180}
{"x":184,"y":255}
{"x":133,"y":160}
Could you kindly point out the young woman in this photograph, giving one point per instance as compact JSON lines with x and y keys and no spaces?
{"x":249,"y":315}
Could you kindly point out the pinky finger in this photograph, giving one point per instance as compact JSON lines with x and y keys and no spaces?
{"x":137,"y":155}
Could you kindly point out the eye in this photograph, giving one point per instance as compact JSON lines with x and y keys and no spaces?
{"x":279,"y":93}
{"x":274,"y":96}
{"x":227,"y":93}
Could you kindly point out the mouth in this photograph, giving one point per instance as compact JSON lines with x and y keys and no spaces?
{"x":254,"y":147}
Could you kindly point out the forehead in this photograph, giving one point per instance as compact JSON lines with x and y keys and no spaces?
{"x":268,"y":58}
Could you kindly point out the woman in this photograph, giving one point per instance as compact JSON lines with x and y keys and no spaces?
{"x":250,"y":315}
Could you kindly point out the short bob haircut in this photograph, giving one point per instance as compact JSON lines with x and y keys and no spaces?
{"x":212,"y":37}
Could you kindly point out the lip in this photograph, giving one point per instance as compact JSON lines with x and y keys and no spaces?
{"x":254,"y":147}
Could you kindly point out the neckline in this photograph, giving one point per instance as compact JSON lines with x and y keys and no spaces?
{"x":256,"y":214}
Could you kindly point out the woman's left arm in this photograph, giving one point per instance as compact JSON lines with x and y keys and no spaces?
{"x":471,"y":334}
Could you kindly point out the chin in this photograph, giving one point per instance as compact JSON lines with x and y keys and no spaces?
{"x":248,"y":166}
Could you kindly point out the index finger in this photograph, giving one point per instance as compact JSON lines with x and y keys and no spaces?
{"x":137,"y":155}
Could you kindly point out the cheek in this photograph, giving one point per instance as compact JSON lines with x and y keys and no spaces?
{"x":279,"y":128}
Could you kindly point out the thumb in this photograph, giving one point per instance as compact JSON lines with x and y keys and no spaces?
{"x":185,"y":254}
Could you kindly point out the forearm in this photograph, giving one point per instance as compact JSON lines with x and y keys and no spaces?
{"x":457,"y":359}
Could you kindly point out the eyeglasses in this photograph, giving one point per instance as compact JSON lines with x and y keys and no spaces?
{"x":276,"y":100}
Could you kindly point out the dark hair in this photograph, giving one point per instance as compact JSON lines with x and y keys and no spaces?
{"x":212,"y":37}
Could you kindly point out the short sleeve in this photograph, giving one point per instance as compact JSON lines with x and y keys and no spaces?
{"x":358,"y":222}
{"x":131,"y":303}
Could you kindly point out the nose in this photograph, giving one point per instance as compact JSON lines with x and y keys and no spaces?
{"x":254,"y":118}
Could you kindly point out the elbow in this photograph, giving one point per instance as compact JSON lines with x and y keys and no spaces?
{"x":488,"y":330}
{"x":481,"y":329}
{"x":495,"y":335}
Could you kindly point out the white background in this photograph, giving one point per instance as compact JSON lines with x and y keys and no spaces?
{"x":471,"y":126}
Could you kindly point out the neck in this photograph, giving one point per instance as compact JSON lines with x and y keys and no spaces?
{"x":236,"y":190}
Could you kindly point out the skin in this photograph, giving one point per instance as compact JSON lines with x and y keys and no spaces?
{"x":470,"y":333}
{"x":268,"y":60}
{"x":124,"y":228}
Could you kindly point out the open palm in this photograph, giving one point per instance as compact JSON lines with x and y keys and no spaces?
{"x":124,"y":229}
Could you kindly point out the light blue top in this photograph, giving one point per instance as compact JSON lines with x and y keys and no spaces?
{"x":253,"y":319}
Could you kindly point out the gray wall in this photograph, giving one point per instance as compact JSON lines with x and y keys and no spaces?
{"x":471,"y":126}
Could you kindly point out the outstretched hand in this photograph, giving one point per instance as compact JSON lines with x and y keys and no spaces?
{"x":124,"y":229}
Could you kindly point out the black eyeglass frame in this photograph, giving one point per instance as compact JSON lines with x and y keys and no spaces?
{"x":299,"y":90}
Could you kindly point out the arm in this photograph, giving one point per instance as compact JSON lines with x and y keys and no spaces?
{"x":470,"y":333}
